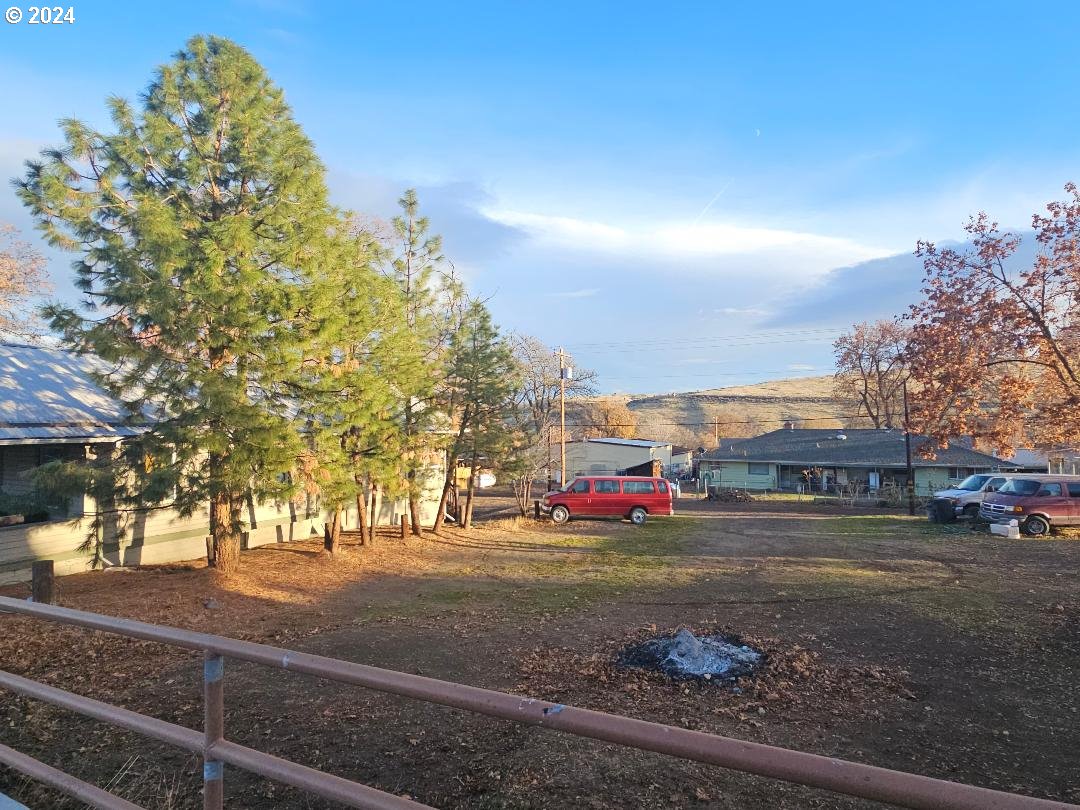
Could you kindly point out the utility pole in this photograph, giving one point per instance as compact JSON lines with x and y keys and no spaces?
{"x":907,"y":448}
{"x":564,"y":375}
{"x":716,"y":430}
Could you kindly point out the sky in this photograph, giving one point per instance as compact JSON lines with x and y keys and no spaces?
{"x":683,"y":195}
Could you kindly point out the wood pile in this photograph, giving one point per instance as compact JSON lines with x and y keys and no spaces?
{"x":730,"y":496}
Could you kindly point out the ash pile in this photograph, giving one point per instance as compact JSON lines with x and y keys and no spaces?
{"x":684,"y":656}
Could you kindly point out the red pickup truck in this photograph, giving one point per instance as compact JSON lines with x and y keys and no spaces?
{"x":631,"y":497}
{"x":1036,"y":502}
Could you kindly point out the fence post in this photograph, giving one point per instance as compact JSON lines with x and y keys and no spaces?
{"x":213,"y":729}
{"x":536,"y":509}
{"x":41,"y":582}
{"x":404,"y":523}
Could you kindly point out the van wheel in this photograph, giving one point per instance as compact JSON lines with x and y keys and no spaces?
{"x":1036,"y":526}
{"x":971,"y":511}
{"x":638,"y":515}
{"x":560,"y":515}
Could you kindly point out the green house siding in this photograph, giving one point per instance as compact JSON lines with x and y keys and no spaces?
{"x":929,"y":479}
{"x":737,"y":474}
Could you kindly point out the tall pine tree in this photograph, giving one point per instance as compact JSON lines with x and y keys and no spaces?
{"x":432,"y":300}
{"x":482,"y":376}
{"x":199,"y":221}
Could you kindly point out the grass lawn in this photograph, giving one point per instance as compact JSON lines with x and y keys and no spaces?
{"x":891,"y":641}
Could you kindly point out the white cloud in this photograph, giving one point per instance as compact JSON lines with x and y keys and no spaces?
{"x":587,"y":293}
{"x":749,"y":311}
{"x":682,"y":242}
{"x":800,"y":367}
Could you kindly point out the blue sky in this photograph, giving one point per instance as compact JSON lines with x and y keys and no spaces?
{"x":682,"y":194}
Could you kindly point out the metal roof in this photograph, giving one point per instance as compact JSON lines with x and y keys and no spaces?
{"x":49,"y":395}
{"x":632,"y":442}
{"x":857,"y":448}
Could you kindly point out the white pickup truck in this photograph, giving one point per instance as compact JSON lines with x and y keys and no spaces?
{"x":969,"y":493}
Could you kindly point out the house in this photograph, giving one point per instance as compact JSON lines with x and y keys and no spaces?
{"x":614,"y":456}
{"x":51,"y":409}
{"x":823,"y":460}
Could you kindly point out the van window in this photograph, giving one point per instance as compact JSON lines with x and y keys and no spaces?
{"x":1019,"y":486}
{"x":662,"y":486}
{"x":581,"y":486}
{"x":1050,"y":490}
{"x":606,"y":488}
{"x":1074,"y":490}
{"x":994,"y":484}
{"x":637,"y":487}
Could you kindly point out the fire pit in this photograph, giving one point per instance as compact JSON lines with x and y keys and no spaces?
{"x":684,"y":656}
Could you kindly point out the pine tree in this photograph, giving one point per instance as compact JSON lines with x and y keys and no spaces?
{"x":432,"y":306}
{"x":352,"y":391}
{"x":482,"y":376}
{"x":200,"y":220}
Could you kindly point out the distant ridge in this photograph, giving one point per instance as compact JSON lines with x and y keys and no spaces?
{"x":740,"y":410}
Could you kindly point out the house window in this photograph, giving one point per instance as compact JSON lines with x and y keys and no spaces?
{"x":757,"y":468}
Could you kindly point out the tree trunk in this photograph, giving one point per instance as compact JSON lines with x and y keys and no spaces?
{"x":414,"y":513}
{"x":332,"y":533}
{"x":467,"y":521}
{"x":444,"y":498}
{"x":224,"y":535}
{"x":374,"y":513}
{"x":361,"y":512}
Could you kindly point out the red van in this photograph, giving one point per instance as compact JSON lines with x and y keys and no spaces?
{"x":1036,"y":502}
{"x":626,"y":496}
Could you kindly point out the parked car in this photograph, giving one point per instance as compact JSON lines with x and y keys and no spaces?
{"x":1036,"y":502}
{"x":969,"y":493}
{"x":633,"y":497}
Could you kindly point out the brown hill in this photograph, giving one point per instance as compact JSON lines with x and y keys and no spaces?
{"x":697,"y":417}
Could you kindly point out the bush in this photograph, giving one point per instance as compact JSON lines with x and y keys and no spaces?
{"x":31,"y":507}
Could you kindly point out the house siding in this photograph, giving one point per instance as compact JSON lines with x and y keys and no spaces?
{"x":736,"y":474}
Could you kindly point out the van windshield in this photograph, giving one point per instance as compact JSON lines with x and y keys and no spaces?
{"x":973,"y":483}
{"x":1020,"y":486}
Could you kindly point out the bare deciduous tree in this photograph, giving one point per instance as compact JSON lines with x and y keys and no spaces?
{"x":22,"y":279}
{"x":871,"y":371}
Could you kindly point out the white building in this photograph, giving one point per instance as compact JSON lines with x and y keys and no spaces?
{"x":614,"y":456}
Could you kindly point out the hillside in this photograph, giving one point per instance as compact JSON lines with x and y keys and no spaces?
{"x":743,"y":410}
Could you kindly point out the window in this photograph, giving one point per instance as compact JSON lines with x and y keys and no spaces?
{"x":755,"y":468}
{"x":1019,"y":486}
{"x":580,"y":487}
{"x":637,"y":488}
{"x":1050,"y":490}
{"x":662,"y":486}
{"x":1074,"y":490}
{"x":994,"y":484}
{"x":606,"y":488}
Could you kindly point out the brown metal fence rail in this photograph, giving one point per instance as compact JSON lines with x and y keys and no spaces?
{"x":841,"y":776}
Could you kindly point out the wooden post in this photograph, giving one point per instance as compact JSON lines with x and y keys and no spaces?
{"x":536,"y":509}
{"x":460,"y":513}
{"x":404,"y":524}
{"x":41,"y":582}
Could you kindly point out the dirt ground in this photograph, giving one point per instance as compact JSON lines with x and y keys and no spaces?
{"x":930,"y":649}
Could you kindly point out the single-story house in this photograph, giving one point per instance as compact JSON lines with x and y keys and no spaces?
{"x":51,"y":409}
{"x":826,"y":459}
{"x":613,"y":456}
